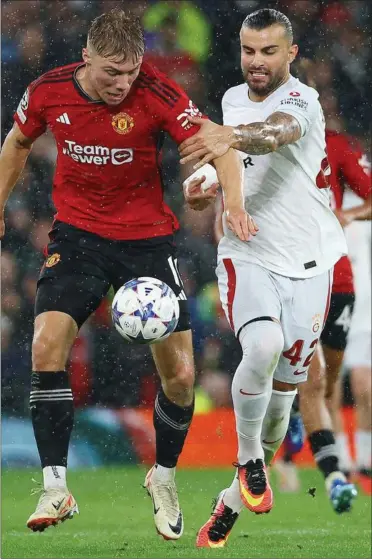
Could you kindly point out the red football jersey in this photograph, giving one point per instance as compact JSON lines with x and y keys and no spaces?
{"x":344,"y":159}
{"x":107,"y":177}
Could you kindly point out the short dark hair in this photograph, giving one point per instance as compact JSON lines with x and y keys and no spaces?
{"x":267,"y":17}
{"x":117,"y":34}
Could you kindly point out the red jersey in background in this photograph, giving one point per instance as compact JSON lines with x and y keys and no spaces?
{"x":344,"y":158}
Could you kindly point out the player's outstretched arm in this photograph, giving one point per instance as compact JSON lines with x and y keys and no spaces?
{"x":257,"y":138}
{"x":200,"y":189}
{"x":13,"y":156}
{"x":229,"y":168}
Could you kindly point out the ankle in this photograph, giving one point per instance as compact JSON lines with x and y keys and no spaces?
{"x":164,"y":474}
{"x":54,"y":477}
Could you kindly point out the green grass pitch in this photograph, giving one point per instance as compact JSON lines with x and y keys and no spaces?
{"x":116,"y":520}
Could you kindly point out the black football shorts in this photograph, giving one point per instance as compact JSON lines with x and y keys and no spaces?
{"x":338,"y":322}
{"x":80,"y":267}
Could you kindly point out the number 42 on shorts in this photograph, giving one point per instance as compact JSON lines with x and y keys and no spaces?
{"x":294,"y":354}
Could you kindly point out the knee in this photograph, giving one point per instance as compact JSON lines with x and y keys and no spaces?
{"x":46,"y":352}
{"x":180,"y":387}
{"x":262,"y":344}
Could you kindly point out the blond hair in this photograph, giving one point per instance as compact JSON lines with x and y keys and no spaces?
{"x":117,"y":34}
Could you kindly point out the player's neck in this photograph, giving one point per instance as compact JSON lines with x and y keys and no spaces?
{"x":259,"y":98}
{"x":82,"y":77}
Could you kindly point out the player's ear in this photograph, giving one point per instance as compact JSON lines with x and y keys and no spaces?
{"x":292,"y":53}
{"x":85,"y":55}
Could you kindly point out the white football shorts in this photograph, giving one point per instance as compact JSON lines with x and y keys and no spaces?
{"x":249,"y":291}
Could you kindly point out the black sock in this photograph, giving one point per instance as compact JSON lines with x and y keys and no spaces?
{"x":323,"y":447}
{"x":52,"y":412}
{"x":171,"y":424}
{"x":288,"y":457}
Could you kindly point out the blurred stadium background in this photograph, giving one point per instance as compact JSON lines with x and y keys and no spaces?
{"x":195,"y":42}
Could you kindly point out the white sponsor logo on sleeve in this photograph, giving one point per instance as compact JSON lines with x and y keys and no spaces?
{"x":22,"y":107}
{"x":191,"y":110}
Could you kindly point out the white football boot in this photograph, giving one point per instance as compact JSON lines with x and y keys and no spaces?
{"x":55,"y":505}
{"x":167,"y":514}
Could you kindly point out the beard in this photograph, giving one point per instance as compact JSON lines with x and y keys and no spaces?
{"x":268,"y":86}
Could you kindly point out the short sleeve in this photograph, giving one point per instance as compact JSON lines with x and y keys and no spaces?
{"x":353,"y":173}
{"x":30,"y":114}
{"x":176,"y":122}
{"x":225,"y":105}
{"x":303,"y":104}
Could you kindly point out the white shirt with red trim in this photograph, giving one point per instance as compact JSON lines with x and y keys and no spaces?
{"x":286,"y":191}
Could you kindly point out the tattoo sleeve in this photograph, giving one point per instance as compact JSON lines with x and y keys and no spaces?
{"x":259,"y":138}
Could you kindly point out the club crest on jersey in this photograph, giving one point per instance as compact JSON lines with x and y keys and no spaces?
{"x":122,"y":123}
{"x":52,"y":260}
{"x":317,"y":319}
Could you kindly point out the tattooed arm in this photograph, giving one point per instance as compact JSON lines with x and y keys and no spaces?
{"x":257,"y":138}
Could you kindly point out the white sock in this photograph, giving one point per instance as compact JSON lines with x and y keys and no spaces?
{"x":276,"y":422}
{"x":161,"y":473}
{"x":54,"y":476}
{"x":262,"y":343}
{"x":342,"y":449}
{"x":232,"y":498}
{"x":363,"y":449}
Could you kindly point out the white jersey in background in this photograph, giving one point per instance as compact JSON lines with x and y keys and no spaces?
{"x":299,"y":236}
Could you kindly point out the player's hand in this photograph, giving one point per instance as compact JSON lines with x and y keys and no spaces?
{"x":241,"y":223}
{"x":196,"y":198}
{"x":210,"y":142}
{"x":343,"y":217}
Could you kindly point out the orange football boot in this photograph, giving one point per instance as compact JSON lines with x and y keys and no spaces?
{"x":216,"y":530}
{"x":255,"y":491}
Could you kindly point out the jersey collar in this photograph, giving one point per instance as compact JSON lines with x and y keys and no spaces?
{"x":291,"y":82}
{"x":81,"y":91}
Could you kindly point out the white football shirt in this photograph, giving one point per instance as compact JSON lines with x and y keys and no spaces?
{"x":299,"y":235}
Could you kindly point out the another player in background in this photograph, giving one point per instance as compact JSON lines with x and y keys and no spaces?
{"x":108,"y":115}
{"x":276,"y":288}
{"x":317,"y":394}
{"x":358,"y":354}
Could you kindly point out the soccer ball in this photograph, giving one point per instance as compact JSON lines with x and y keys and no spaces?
{"x":145,"y":311}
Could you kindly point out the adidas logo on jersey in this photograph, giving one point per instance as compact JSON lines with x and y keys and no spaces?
{"x":64,"y":119}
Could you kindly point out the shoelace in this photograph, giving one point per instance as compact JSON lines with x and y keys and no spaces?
{"x":254,"y":475}
{"x":38,"y":489}
{"x":256,"y":481}
{"x":167,"y":494}
{"x":44,"y":495}
{"x":223,"y":522}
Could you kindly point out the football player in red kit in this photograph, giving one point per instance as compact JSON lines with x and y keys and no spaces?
{"x":108,"y":115}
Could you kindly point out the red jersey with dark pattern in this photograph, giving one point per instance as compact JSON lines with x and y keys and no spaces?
{"x":345,"y":156}
{"x":108,"y":179}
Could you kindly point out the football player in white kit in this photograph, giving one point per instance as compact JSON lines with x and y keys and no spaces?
{"x":275,"y":288}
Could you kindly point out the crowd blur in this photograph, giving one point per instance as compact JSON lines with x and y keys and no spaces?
{"x":196,"y":42}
